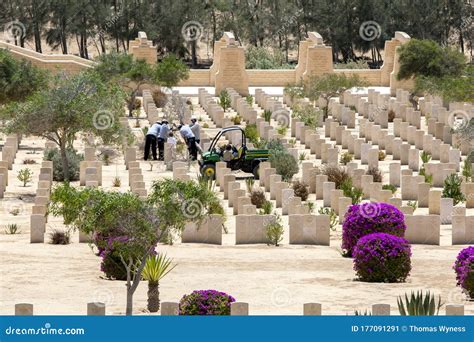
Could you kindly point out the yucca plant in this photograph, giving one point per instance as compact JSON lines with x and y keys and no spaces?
{"x":156,"y":268}
{"x":249,"y":182}
{"x":419,"y":304}
{"x":267,"y":115}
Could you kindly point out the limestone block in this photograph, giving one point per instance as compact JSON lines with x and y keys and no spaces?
{"x":463,"y":230}
{"x":209,"y":231}
{"x":251,"y":228}
{"x":446,"y":210}
{"x":423,"y":229}
{"x":327,"y":188}
{"x":37,"y":228}
{"x":309,"y":229}
{"x":434,"y":202}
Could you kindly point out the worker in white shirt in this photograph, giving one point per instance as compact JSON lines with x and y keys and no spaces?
{"x":150,"y":140}
{"x":190,"y":139}
{"x":196,"y":128}
{"x":162,"y":137}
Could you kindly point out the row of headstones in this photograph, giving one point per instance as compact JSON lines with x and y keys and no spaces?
{"x":240,"y":105}
{"x":38,"y":217}
{"x":90,"y":169}
{"x":213,"y":109}
{"x":439,"y":117}
{"x":149,"y":106}
{"x":135,"y":179}
{"x":408,"y":156}
{"x":9,"y":150}
{"x":236,"y":309}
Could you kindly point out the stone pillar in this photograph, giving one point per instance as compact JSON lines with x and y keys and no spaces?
{"x":395,"y":170}
{"x":454,"y":310}
{"x":37,"y":228}
{"x":446,"y":210}
{"x":95,"y":309}
{"x":434,"y":202}
{"x":239,"y":309}
{"x":169,"y":309}
{"x":312,"y":309}
{"x":231,"y":71}
{"x":327,"y":188}
{"x":23,"y":309}
{"x":381,"y":310}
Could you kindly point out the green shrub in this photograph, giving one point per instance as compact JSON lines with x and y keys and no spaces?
{"x":257,"y":198}
{"x":59,"y":237}
{"x":267,"y":115}
{"x":333,"y":218}
{"x":266,"y":209}
{"x":224,"y":100}
{"x":336,"y":174}
{"x":74,"y":160}
{"x":285,"y":164}
{"x":251,"y":133}
{"x":376,"y":174}
{"x":249,"y":100}
{"x":382,"y":155}
{"x":427,"y":58}
{"x":274,"y":231}
{"x":263,"y":58}
{"x":390,"y":187}
{"x":25,"y":176}
{"x":452,"y":188}
{"x":346,"y":158}
{"x":354,"y":193}
{"x":308,"y":114}
{"x":301,"y":190}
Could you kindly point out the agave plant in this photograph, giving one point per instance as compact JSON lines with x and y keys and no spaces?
{"x":156,"y":268}
{"x":419,"y":304}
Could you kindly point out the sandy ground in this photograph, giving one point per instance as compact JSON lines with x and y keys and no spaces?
{"x":274,"y":280}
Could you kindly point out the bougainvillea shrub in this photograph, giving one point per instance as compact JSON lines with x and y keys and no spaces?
{"x":367,"y":218}
{"x":205,"y":302}
{"x":381,"y":257}
{"x":464,"y":268}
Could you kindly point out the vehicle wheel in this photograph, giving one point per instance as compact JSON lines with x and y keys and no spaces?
{"x":256,"y":171}
{"x":208,"y":171}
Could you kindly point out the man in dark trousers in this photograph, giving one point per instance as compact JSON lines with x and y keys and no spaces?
{"x":162,"y":137}
{"x":190,"y":139}
{"x":150,"y":140}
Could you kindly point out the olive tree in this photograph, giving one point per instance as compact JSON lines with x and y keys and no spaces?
{"x":129,"y":226}
{"x":330,"y":85}
{"x":132,"y":75}
{"x":18,"y":78}
{"x":72,"y":104}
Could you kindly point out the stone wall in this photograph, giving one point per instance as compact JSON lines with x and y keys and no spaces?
{"x":228,"y":68}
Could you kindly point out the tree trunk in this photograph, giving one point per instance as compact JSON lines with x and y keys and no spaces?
{"x":64,"y":161}
{"x":153,"y":297}
{"x":129,"y":309}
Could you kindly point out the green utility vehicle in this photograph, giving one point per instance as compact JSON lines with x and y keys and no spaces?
{"x":247,"y":160}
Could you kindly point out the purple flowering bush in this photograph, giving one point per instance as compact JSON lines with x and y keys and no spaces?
{"x":366,"y":218}
{"x":381,"y":257}
{"x":464,"y":268}
{"x":205,"y":302}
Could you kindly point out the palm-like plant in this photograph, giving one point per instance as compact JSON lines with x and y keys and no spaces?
{"x":156,"y":268}
{"x":419,"y":304}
